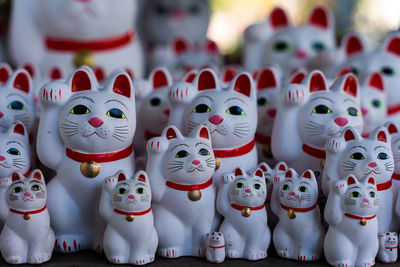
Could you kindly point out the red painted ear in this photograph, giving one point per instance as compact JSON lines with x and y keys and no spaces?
{"x":394,"y":46}
{"x":206,"y":81}
{"x":243,"y":85}
{"x":307,"y":175}
{"x":55,"y":73}
{"x":208,"y":234}
{"x":351,"y":86}
{"x":278,"y":18}
{"x":282,"y":167}
{"x":392,"y":128}
{"x":298,"y":78}
{"x":289,"y":174}
{"x":349,"y":135}
{"x":171,"y":134}
{"x":259,"y":173}
{"x":254,"y":74}
{"x":238,"y":172}
{"x":100,"y":74}
{"x":376,"y":81}
{"x":317,"y":83}
{"x":142,"y":178}
{"x":30,"y":69}
{"x":351,"y":180}
{"x":19,"y":129}
{"x":130,"y":73}
{"x":381,"y":136}
{"x":219,"y":234}
{"x":371,"y":180}
{"x":121,"y":177}
{"x":22,"y":82}
{"x":190,"y":76}
{"x":122,"y":86}
{"x":5,"y":73}
{"x":343,"y":72}
{"x":81,"y":82}
{"x":160,"y":79}
{"x":180,"y":46}
{"x":204,"y":133}
{"x":15,"y":177}
{"x":211,"y":47}
{"x":263,"y":168}
{"x":319,"y":18}
{"x":353,"y":45}
{"x":37,"y":175}
{"x":229,"y":74}
{"x":266,"y":79}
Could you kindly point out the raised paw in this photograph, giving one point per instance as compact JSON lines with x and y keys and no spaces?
{"x":256,"y":255}
{"x":109,"y":183}
{"x":340,"y":187}
{"x":181,"y":93}
{"x":278,"y":179}
{"x":334,"y":145}
{"x":67,"y":244}
{"x":5,"y":182}
{"x":227,"y":178}
{"x":233,"y":254}
{"x":169,"y":253}
{"x":295,"y":94}
{"x":157,"y":145}
{"x":54,"y":94}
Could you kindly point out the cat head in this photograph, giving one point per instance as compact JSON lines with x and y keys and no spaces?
{"x":327,"y":111}
{"x":97,"y":119}
{"x":230,"y":114}
{"x":27,"y":193}
{"x":215,"y":239}
{"x":298,"y":191}
{"x":228,"y":73}
{"x":292,"y":47}
{"x":395,"y":141}
{"x":188,"y":160}
{"x":14,"y":150}
{"x":367,"y":156}
{"x":16,"y":103}
{"x":360,"y":197}
{"x":131,"y":193}
{"x":248,"y":190}
{"x":278,"y":171}
{"x":389,"y":239}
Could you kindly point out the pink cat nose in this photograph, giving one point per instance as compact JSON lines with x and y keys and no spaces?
{"x":372,"y":164}
{"x":196,"y":162}
{"x":166,"y":112}
{"x":301,"y":54}
{"x":131,"y":196}
{"x":2,"y":158}
{"x":96,"y":122}
{"x":365,"y":200}
{"x":215,"y":119}
{"x":83,"y":1}
{"x":271,"y":112}
{"x":364,"y":111}
{"x":248,"y":191}
{"x":27,"y":194}
{"x":292,"y":193}
{"x":341,"y":121}
{"x":1,"y":115}
{"x":178,"y":14}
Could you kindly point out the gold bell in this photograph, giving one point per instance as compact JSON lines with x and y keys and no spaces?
{"x":90,"y":169}
{"x":322,"y":163}
{"x":246,"y":212}
{"x":27,"y":217}
{"x":217,"y":163}
{"x":291,"y":214}
{"x":84,"y":57}
{"x":129,"y":218}
{"x":363,"y":222}
{"x":194,"y":195}
{"x":267,"y":152}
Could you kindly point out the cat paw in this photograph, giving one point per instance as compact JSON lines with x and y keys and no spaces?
{"x":199,"y":252}
{"x":117,"y":259}
{"x":169,"y":252}
{"x":368,"y":263}
{"x":233,"y":254}
{"x":255,"y":255}
{"x":283,"y":254}
{"x":109,"y":183}
{"x":13,"y":260}
{"x":277,"y":179}
{"x":36,"y":259}
{"x":334,"y":145}
{"x":54,"y":94}
{"x":181,"y":93}
{"x":5,"y":182}
{"x":295,"y":94}
{"x":157,"y":145}
{"x":340,"y":187}
{"x":227,"y":178}
{"x":67,"y":244}
{"x":142,"y":260}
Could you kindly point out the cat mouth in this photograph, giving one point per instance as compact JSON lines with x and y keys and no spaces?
{"x":93,"y":134}
{"x":216,"y":130}
{"x":372,"y":171}
{"x":195,"y":169}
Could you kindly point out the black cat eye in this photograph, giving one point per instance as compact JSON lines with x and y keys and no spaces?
{"x":116,"y":113}
{"x":182,"y":154}
{"x":357,"y":156}
{"x":239,"y":185}
{"x":235,"y":110}
{"x":303,"y":189}
{"x":80,"y":110}
{"x":36,"y":187}
{"x":204,"y":152}
{"x":122,"y":191}
{"x":383,"y":155}
{"x":376,"y":103}
{"x":355,"y":194}
{"x":17,"y":105}
{"x":155,"y":101}
{"x":372,"y":194}
{"x":322,"y":109}
{"x":140,"y":190}
{"x":13,"y":151}
{"x":202,"y":108}
{"x":285,"y":187}
{"x":280,"y":46}
{"x":352,"y":111}
{"x":387,"y":71}
{"x":17,"y":189}
{"x":262,"y":101}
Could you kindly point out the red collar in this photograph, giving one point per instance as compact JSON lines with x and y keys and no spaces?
{"x":238,"y":207}
{"x":384,"y":186}
{"x":132,"y":213}
{"x":314,"y":152}
{"x":391,"y":110}
{"x":28,"y":212}
{"x":70,"y":45}
{"x":396,"y":176}
{"x":148,"y":135}
{"x":216,"y":247}
{"x":300,"y":209}
{"x":99,"y":158}
{"x":263,"y":139}
{"x":189,"y":187}
{"x":359,"y":217}
{"x":390,"y":247}
{"x":239,"y":151}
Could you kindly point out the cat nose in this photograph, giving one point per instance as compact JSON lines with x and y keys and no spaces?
{"x":131,"y":196}
{"x":301,"y":54}
{"x":1,"y":115}
{"x":196,"y":162}
{"x":83,"y":1}
{"x":364,"y":111}
{"x":27,"y":194}
{"x":372,"y":164}
{"x":96,"y":122}
{"x":365,"y":200}
{"x":166,"y":112}
{"x":271,"y":112}
{"x":178,"y":14}
{"x":215,"y":119}
{"x":248,"y":191}
{"x":341,"y":121}
{"x":2,"y":158}
{"x":292,"y":193}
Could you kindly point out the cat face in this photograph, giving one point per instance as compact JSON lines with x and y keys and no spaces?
{"x":98,"y":119}
{"x":390,"y":239}
{"x":367,"y":156}
{"x":27,"y":193}
{"x":230,"y":114}
{"x":14,"y":150}
{"x":16,"y":103}
{"x":270,"y":174}
{"x":361,"y":197}
{"x":188,"y":160}
{"x":248,"y":190}
{"x":132,"y":194}
{"x":215,"y":239}
{"x":327,"y":112}
{"x":298,"y":191}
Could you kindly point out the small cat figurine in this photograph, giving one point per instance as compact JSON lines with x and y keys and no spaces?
{"x":389,"y":241}
{"x":299,"y":234}
{"x":85,"y":134}
{"x":241,"y":200}
{"x":395,"y":141}
{"x":215,"y":250}
{"x":125,"y":203}
{"x":26,"y":236}
{"x":308,"y":114}
{"x":230,"y":115}
{"x":180,"y":171}
{"x":350,"y":211}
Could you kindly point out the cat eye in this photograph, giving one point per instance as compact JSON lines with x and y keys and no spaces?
{"x":262,"y":101}
{"x":322,"y":109}
{"x":17,"y":105}
{"x":285,"y":187}
{"x":318,"y":46}
{"x":355,"y":194}
{"x":239,"y":185}
{"x":280,"y":46}
{"x":140,"y":190}
{"x":182,"y":154}
{"x":357,"y":156}
{"x":376,"y":103}
{"x":355,"y":71}
{"x":303,"y":189}
{"x":372,"y":194}
{"x":17,"y":189}
{"x":353,"y":112}
{"x":155,"y":101}
{"x":80,"y":110}
{"x":36,"y":187}
{"x":202,"y":108}
{"x":257,"y":186}
{"x":204,"y":152}
{"x":194,"y":9}
{"x":161,"y":10}
{"x":383,"y":155}
{"x":122,"y":191}
{"x":235,"y":110}
{"x":387,"y":71}
{"x":116,"y":113}
{"x":13,"y":151}
{"x":267,"y":181}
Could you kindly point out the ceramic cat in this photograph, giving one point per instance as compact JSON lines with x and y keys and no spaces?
{"x":85,"y":134}
{"x":181,"y":171}
{"x":26,"y":236}
{"x":390,"y":242}
{"x":294,"y":201}
{"x":395,"y":141}
{"x":352,"y":237}
{"x":230,"y":115}
{"x":215,"y":250}
{"x":74,"y":33}
{"x":125,"y":203}
{"x":308,"y":114}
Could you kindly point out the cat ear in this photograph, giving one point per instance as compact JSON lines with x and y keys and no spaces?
{"x":56,"y":73}
{"x":82,"y":80}
{"x":100,"y":74}
{"x":5,"y":72}
{"x":298,"y":77}
{"x":37,"y":174}
{"x":211,"y":47}
{"x":21,"y":80}
{"x":160,"y":77}
{"x":308,"y":174}
{"x":201,"y":132}
{"x":380,"y":134}
{"x":278,"y":19}
{"x":141,"y":176}
{"x":19,"y":128}
{"x":264,"y":167}
{"x":228,"y":74}
{"x":255,"y":74}
{"x":353,"y":44}
{"x":32,"y":68}
{"x":206,"y":80}
{"x":350,"y":134}
{"x":15,"y":177}
{"x":190,"y":76}
{"x":375,"y":81}
{"x":281,"y":166}
{"x":371,"y":180}
{"x":343,"y":72}
{"x":121,"y":176}
{"x":351,"y":180}
{"x":391,"y":44}
{"x":171,"y":132}
{"x":239,"y":172}
{"x":391,"y":127}
{"x":121,"y":84}
{"x":347,"y":83}
{"x":315,"y":81}
{"x":244,"y":84}
{"x":267,"y":79}
{"x":289,"y":173}
{"x":259,"y":173}
{"x":321,"y":17}
{"x":180,"y":45}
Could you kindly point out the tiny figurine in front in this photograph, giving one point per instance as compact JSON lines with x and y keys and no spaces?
{"x":389,"y":242}
{"x":26,"y":236}
{"x":215,"y":251}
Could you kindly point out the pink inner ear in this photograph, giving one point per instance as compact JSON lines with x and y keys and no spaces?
{"x":394,"y":46}
{"x":171,"y":134}
{"x":348,"y":135}
{"x":29,"y":69}
{"x":307,"y":175}
{"x":206,"y":81}
{"x":381,"y":137}
{"x":298,"y":78}
{"x":180,"y":46}
{"x":15,"y":177}
{"x":392,"y":128}
{"x":229,"y":74}
{"x":81,"y":82}
{"x":122,"y":86}
{"x":350,"y":86}
{"x":238,"y":172}
{"x":243,"y":85}
{"x":371,"y":180}
{"x":319,"y":18}
{"x":21,"y":82}
{"x":266,"y":79}
{"x":219,"y":234}
{"x":376,"y":81}
{"x":4,"y":75}
{"x":100,"y":74}
{"x":259,"y":173}
{"x":289,"y":174}
{"x":351,"y":180}
{"x":121,"y":177}
{"x":282,"y":167}
{"x":204,"y":133}
{"x":19,"y":129}
{"x":190,"y":78}
{"x":317,"y":83}
{"x":278,"y":18}
{"x":160,"y":79}
{"x":37,"y":175}
{"x":55,"y":74}
{"x":142,"y":178}
{"x":353,"y":45}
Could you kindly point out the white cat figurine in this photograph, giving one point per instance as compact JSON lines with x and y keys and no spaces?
{"x":26,"y":236}
{"x":389,"y":241}
{"x":352,"y":237}
{"x":125,"y":203}
{"x":215,"y":250}
{"x":85,"y":134}
{"x":395,"y":141}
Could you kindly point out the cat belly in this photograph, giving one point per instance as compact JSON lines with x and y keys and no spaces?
{"x":252,"y":226}
{"x":308,"y":222}
{"x":36,"y":227}
{"x":141,"y":228}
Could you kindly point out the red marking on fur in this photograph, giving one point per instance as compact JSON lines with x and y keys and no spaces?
{"x":350,"y":85}
{"x":239,"y":151}
{"x":343,"y":72}
{"x":278,"y":18}
{"x":160,"y":79}
{"x":19,"y":129}
{"x":372,"y":164}
{"x":182,"y":187}
{"x":121,"y":177}
{"x":65,"y":246}
{"x":315,"y":152}
{"x":212,"y":47}
{"x":317,"y":83}
{"x":171,"y":134}
{"x":301,"y":54}
{"x":238,"y":172}
{"x":243,"y":85}
{"x":307,"y":175}
{"x":30,"y":69}
{"x":122,"y":86}
{"x":384,"y":186}
{"x":4,"y":74}
{"x":353,"y":45}
{"x":351,"y":180}
{"x":15,"y":177}
{"x":394,"y":46}
{"x":206,"y":81}
{"x":142,"y":178}
{"x":349,"y":135}
{"x":75,"y":245}
{"x":259,"y":173}
{"x":37,"y":175}
{"x":282,"y":167}
{"x":382,"y":137}
{"x":300,"y":209}
{"x":364,"y":111}
{"x":266,"y":79}
{"x":81,"y":82}
{"x":319,"y":18}
{"x":263,"y":168}
{"x":288,"y":174}
{"x":392,"y":128}
{"x":298,"y":78}
{"x":100,"y":158}
{"x":22,"y":82}
{"x":190,"y":78}
{"x":204,"y":133}
{"x":100,"y":74}
{"x":376,"y":81}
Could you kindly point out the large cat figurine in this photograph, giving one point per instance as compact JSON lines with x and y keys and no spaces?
{"x":125,"y":203}
{"x":180,"y":171}
{"x":85,"y":134}
{"x":26,"y":236}
{"x":241,"y":199}
{"x":230,"y":114}
{"x":352,"y":237}
{"x":308,"y":114}
{"x":98,"y":33}
{"x":299,"y":234}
